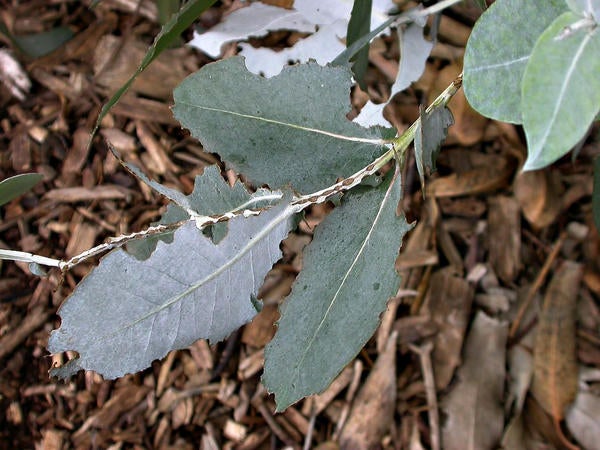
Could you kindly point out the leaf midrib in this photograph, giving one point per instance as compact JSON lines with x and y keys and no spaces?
{"x":255,"y":240}
{"x":346,"y":276}
{"x":291,"y":125}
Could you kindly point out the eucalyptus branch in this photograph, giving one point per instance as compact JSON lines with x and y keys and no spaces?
{"x":399,"y":145}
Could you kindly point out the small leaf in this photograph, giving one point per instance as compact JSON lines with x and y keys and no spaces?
{"x":561,"y":91}
{"x":12,"y":187}
{"x":431,"y":133}
{"x":498,"y":50}
{"x":272,"y":137}
{"x":127,"y":312}
{"x":359,"y":25}
{"x":168,"y":34}
{"x":336,"y":301}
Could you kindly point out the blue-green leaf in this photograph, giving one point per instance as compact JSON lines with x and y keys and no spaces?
{"x":498,"y":50}
{"x":271,"y":136}
{"x":127,"y":313}
{"x":561,"y":90}
{"x":337,"y":299}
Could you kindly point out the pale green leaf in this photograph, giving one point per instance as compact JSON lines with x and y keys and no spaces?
{"x":585,"y":7}
{"x":337,"y":299}
{"x":561,"y":91}
{"x":271,"y":136}
{"x":12,"y":187}
{"x":498,"y":50}
{"x":127,"y":313}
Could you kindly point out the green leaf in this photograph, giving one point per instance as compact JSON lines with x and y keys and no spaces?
{"x":431,"y":133}
{"x":291,"y":128}
{"x":127,"y":313}
{"x":19,"y":184}
{"x":481,"y":4}
{"x":561,"y":90}
{"x":337,"y":299}
{"x":358,"y":26}
{"x":498,"y":50}
{"x":596,"y":194}
{"x":168,"y":34}
{"x":346,"y":56}
{"x":39,"y":44}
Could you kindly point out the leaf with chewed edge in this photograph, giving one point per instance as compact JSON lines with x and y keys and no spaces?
{"x":325,"y":324}
{"x":127,"y":313}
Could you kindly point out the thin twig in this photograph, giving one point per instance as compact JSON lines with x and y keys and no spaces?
{"x":537,"y":284}
{"x":424,"y":352}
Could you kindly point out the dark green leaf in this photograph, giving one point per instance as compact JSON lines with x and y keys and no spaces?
{"x":127,"y":313}
{"x":561,"y":90}
{"x":358,"y":26}
{"x":337,"y":299}
{"x":40,"y":44}
{"x":498,"y":50}
{"x":344,"y":58}
{"x":168,"y":34}
{"x":431,"y":133}
{"x":19,"y":184}
{"x":289,"y":129}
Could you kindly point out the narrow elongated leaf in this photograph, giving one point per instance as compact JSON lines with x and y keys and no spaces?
{"x":168,"y":34}
{"x":127,"y":312}
{"x":359,"y":25}
{"x":497,"y":53}
{"x":19,"y":184}
{"x":561,"y":91}
{"x":272,"y":138}
{"x":336,"y":301}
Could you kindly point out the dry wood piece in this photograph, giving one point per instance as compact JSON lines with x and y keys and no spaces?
{"x":504,"y":237}
{"x":537,"y":193}
{"x":474,"y":405}
{"x":554,"y":382}
{"x":373,"y":409}
{"x":115,"y":61}
{"x":80,"y":194}
{"x":448,"y":303}
{"x":487,"y":178}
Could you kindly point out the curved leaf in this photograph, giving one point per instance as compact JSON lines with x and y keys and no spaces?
{"x":12,"y":187}
{"x":127,"y":312}
{"x":561,"y":91}
{"x":270,"y":137}
{"x":498,"y":50}
{"x":325,"y":323}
